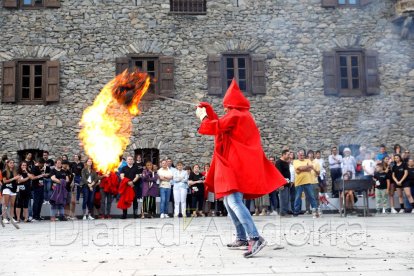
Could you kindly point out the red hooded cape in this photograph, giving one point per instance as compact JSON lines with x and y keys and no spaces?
{"x":110,"y":184}
{"x":127,"y":194}
{"x":239,"y":163}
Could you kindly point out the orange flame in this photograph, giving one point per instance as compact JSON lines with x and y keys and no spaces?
{"x":107,"y":124}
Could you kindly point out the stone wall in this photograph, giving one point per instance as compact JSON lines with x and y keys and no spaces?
{"x":86,"y":37}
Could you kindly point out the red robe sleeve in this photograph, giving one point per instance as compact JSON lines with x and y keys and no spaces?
{"x":127,"y":194}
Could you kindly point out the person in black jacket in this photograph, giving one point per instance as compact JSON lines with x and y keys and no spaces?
{"x":283,"y":166}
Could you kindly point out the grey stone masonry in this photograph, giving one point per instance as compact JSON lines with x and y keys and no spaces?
{"x":87,"y":36}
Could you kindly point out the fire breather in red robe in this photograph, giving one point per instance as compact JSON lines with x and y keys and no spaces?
{"x":110,"y":184}
{"x":239,"y":163}
{"x":127,"y":194}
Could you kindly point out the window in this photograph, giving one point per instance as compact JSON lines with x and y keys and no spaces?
{"x":31,"y":4}
{"x":160,"y":68}
{"x":188,"y":6}
{"x":30,"y":81}
{"x":351,"y":73}
{"x":247,"y":69}
{"x":344,"y":3}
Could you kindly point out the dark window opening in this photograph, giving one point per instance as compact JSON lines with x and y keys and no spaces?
{"x":150,"y":66}
{"x":36,"y":154}
{"x":188,"y":6}
{"x":149,"y":154}
{"x":350,"y":67}
{"x":237,"y":67}
{"x":31,"y":82}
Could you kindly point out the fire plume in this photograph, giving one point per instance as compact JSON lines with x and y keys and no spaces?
{"x":106,"y":125}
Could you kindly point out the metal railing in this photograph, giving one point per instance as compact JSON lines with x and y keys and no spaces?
{"x":193,"y":7}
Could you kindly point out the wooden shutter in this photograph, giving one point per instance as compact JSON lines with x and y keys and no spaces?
{"x":166,"y":83}
{"x":329,"y":3}
{"x":52,"y":3}
{"x":258,"y":74}
{"x":365,"y":2}
{"x":121,"y":64}
{"x":330,"y":73}
{"x":10,"y":3}
{"x":214,"y":75}
{"x":8,"y":94}
{"x":52,"y":81}
{"x":371,"y":72}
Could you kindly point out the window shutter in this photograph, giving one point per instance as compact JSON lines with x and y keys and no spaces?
{"x":214,"y":76}
{"x":371,"y":69}
{"x":259,"y":74}
{"x":9,"y":82}
{"x":52,"y":3}
{"x":121,"y":64}
{"x":329,"y":73}
{"x":365,"y":2}
{"x":166,"y":83}
{"x":329,"y":3}
{"x":52,"y":81}
{"x":10,"y":3}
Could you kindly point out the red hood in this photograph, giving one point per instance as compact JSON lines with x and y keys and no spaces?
{"x":234,"y":97}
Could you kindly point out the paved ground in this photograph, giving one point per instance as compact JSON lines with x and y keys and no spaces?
{"x":380,"y":245}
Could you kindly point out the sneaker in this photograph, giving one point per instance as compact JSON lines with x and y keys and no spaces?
{"x":15,"y":221}
{"x":378,"y":211}
{"x":162,"y":216}
{"x":383,"y":211}
{"x":307,"y":212}
{"x":6,"y":221}
{"x":63,"y":218}
{"x":273,"y":213}
{"x":314,"y":213}
{"x":238,"y":244}
{"x":393,"y":211}
{"x":166,"y":216}
{"x":254,"y":247}
{"x":90,"y":217}
{"x":412,"y":211}
{"x":402,"y":211}
{"x":84,"y":218}
{"x":263,"y":213}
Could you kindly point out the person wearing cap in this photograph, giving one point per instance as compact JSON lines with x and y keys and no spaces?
{"x":240,"y":168}
{"x":348,"y":163}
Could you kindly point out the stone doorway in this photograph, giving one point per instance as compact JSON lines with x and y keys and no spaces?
{"x":149,"y":154}
{"x":36,"y":153}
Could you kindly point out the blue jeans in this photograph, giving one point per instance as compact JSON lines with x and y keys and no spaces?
{"x":240,"y":216}
{"x":87,"y":199}
{"x":165,"y":199}
{"x":38,"y":196}
{"x":292,"y":196}
{"x":48,"y":188}
{"x":77,"y":179}
{"x":308,"y":188}
{"x":274,"y":201}
{"x":284,"y":201}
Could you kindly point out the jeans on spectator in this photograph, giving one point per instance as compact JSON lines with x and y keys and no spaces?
{"x":87,"y":199}
{"x":106,"y":202}
{"x":274,"y":201}
{"x":315,"y":188}
{"x":308,"y":189}
{"x":77,"y":180}
{"x":240,"y":216}
{"x":197,"y":200}
{"x":165,"y":199}
{"x":292,"y":196}
{"x":38,"y":197}
{"x":180,"y":196}
{"x":284,"y":201}
{"x":248,"y":203}
{"x":30,"y":204}
{"x":335,"y":174}
{"x":47,"y":182}
{"x":57,"y":208}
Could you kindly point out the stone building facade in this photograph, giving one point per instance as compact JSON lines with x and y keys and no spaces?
{"x":289,"y":46}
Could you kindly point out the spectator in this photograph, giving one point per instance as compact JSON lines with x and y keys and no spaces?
{"x":335,"y":166}
{"x":58,"y":198}
{"x":165,"y":175}
{"x":382,"y":186}
{"x":261,"y":204}
{"x":348,"y":162}
{"x":349,"y":195}
{"x":23,"y":191}
{"x":410,"y":177}
{"x":9,"y":189}
{"x":69,"y":207}
{"x":359,"y":172}
{"x":397,"y":149}
{"x":171,"y":166}
{"x":88,"y":182}
{"x":49,"y":162}
{"x":368,"y":166}
{"x":282,"y":164}
{"x":196,"y":183}
{"x":109,"y":185}
{"x":3,"y":161}
{"x":131,"y":172}
{"x":383,"y":153}
{"x":292,"y":189}
{"x":210,"y":196}
{"x":29,"y":161}
{"x":406,"y":156}
{"x":399,"y":174}
{"x":315,"y":183}
{"x":38,"y":187}
{"x":274,"y":196}
{"x":47,"y":182}
{"x":322,"y":173}
{"x":76,"y":167}
{"x":150,"y":190}
{"x":189,"y":198}
{"x":139,"y":163}
{"x":180,"y":179}
{"x":388,"y":165}
{"x":303,"y":180}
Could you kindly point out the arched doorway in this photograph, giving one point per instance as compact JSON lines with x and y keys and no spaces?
{"x":149,"y":154}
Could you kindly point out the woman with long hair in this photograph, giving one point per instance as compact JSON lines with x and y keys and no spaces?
{"x":9,"y":189}
{"x":23,"y":191}
{"x":150,"y":190}
{"x":58,"y":198}
{"x":89,"y":181}
{"x":399,"y":175}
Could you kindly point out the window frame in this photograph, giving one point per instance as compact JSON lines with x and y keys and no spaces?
{"x":32,"y":6}
{"x":248,"y":68}
{"x":348,"y":5}
{"x":19,"y":82}
{"x":187,"y":12}
{"x":361,"y":70}
{"x":145,"y":58}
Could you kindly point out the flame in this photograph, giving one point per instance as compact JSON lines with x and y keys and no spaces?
{"x":107,"y":124}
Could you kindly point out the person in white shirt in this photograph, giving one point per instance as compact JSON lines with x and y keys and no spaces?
{"x":180,"y":179}
{"x":368,"y":166}
{"x":165,"y":177}
{"x":348,"y":163}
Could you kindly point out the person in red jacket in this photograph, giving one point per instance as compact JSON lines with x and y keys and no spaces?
{"x":239,"y":168}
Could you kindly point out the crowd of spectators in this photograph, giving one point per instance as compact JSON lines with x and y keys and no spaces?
{"x":60,"y":185}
